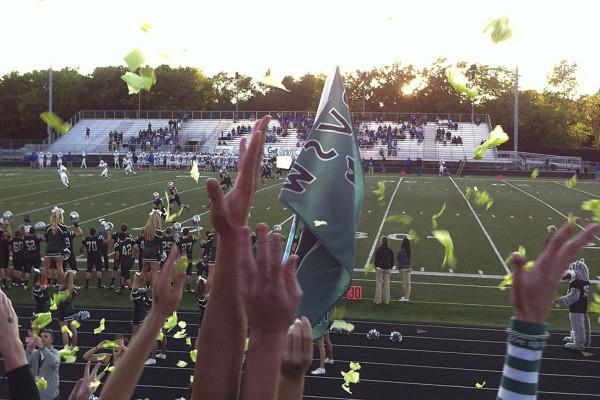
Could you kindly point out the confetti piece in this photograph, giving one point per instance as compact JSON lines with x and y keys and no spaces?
{"x":535,"y":173}
{"x":495,"y":138}
{"x":171,"y":322}
{"x":483,"y":198}
{"x":480,"y":385}
{"x":586,"y":354}
{"x":68,"y":355}
{"x":571,"y":182}
{"x":342,"y":325}
{"x":193,"y":355}
{"x":41,"y":320}
{"x":380,"y":192}
{"x":181,"y":265}
{"x":355,"y":366}
{"x":94,"y":384}
{"x":434,"y":217}
{"x":500,"y":29}
{"x":53,"y":307}
{"x":109,"y":344}
{"x":594,"y":207}
{"x":460,"y":83}
{"x":160,"y":336}
{"x":188,"y":341}
{"x":346,"y":387}
{"x":445,"y":240}
{"x":41,"y":383}
{"x":101,"y":357}
{"x":319,"y":223}
{"x":247,"y":344}
{"x":412,"y":235}
{"x":369,"y":268}
{"x":399,"y":219}
{"x":100,"y":328}
{"x":182,"y":324}
{"x":75,"y":324}
{"x":58,"y":298}
{"x":194,"y":172}
{"x":571,"y":219}
{"x":65,"y":329}
{"x":268,"y":80}
{"x":146,"y":27}
{"x":468,"y":193}
{"x":171,"y":217}
{"x":181,"y":364}
{"x":136,"y":83}
{"x":134,"y":59}
{"x":111,"y":368}
{"x":55,"y":122}
{"x":420,"y":331}
{"x":338,"y":313}
{"x":351,"y":376}
{"x":180,"y":334}
{"x":149,"y":75}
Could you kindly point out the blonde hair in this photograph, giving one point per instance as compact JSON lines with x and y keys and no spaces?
{"x":70,"y":281}
{"x":56,"y":218}
{"x":8,"y":228}
{"x":153,"y":224}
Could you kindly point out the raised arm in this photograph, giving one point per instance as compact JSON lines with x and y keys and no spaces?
{"x":121,"y":383}
{"x":217,"y":373}
{"x":532,"y":295}
{"x":297,"y":356}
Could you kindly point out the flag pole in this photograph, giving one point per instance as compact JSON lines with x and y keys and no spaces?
{"x":290,"y":240}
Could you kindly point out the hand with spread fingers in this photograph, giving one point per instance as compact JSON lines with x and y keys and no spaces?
{"x":533,"y":290}
{"x":86,"y":386}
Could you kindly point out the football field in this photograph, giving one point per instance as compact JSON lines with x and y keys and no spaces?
{"x":465,"y":294}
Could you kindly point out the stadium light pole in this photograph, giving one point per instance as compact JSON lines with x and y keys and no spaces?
{"x":49,"y":129}
{"x":516,"y":113}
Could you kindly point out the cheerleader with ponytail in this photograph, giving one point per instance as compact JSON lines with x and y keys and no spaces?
{"x":55,"y":243}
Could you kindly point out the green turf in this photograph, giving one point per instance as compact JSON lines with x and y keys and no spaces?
{"x":515,"y":219}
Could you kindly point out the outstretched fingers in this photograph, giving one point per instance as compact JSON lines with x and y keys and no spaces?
{"x":218,"y":213}
{"x":262,"y":252}
{"x":290,"y":281}
{"x":568,"y":251}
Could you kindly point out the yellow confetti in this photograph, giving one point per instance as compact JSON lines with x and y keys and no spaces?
{"x":412,"y":235}
{"x":319,"y":223}
{"x":68,"y":355}
{"x":445,"y":240}
{"x":75,"y":324}
{"x":369,"y":268}
{"x":247,"y":344}
{"x":55,"y":122}
{"x":380,"y":192}
{"x":587,"y":354}
{"x":101,"y":327}
{"x":134,"y":59}
{"x":421,"y":331}
{"x":136,"y":83}
{"x":460,"y":83}
{"x":571,"y":182}
{"x":101,"y":357}
{"x":594,"y":207}
{"x":268,"y":80}
{"x":41,"y":320}
{"x":483,"y":198}
{"x":180,"y":334}
{"x":480,"y":385}
{"x":342,"y":325}
{"x":571,"y":219}
{"x":65,"y":329}
{"x":193,"y":355}
{"x":355,"y":366}
{"x":146,"y":27}
{"x":53,"y":307}
{"x":109,"y":344}
{"x":160,"y":336}
{"x":41,"y":383}
{"x":506,"y":281}
{"x":94,"y":384}
{"x":181,"y":265}
{"x":351,"y":376}
{"x":58,"y":298}
{"x":500,"y":29}
{"x":195,"y":172}
{"x":171,"y":322}
{"x":182,"y":324}
{"x":434,"y":217}
{"x":399,"y":219}
{"x":535,"y":173}
{"x":188,"y":341}
{"x":495,"y":138}
{"x":171,"y":217}
{"x":181,"y":364}
{"x":111,"y":368}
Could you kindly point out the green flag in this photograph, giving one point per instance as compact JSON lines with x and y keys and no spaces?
{"x":325,"y":190}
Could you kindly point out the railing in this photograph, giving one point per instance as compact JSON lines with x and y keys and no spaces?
{"x":529,"y":161}
{"x":250,"y":115}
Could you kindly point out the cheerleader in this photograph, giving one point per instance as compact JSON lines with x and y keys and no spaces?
{"x":66,"y":312}
{"x":40,"y":293}
{"x":55,"y":236}
{"x":152,"y":244}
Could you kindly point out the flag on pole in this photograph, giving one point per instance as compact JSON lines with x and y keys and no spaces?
{"x":324,"y":188}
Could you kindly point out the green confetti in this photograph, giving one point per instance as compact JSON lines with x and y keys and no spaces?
{"x":134,"y":59}
{"x":338,"y":313}
{"x":68,"y":355}
{"x":181,"y":364}
{"x":535,"y":173}
{"x":188,"y":341}
{"x":194,"y":355}
{"x":180,"y":334}
{"x":319,"y":223}
{"x":181,"y":265}
{"x":160,"y":336}
{"x":171,"y":322}
{"x":495,"y":139}
{"x":468,"y":193}
{"x":434,"y":217}
{"x":352,"y":376}
{"x":41,"y":383}
{"x":58,"y":298}
{"x":480,"y":385}
{"x":369,"y":268}
{"x":136,"y":83}
{"x":355,"y":366}
{"x":109,"y":344}
{"x":399,"y":219}
{"x":65,"y":329}
{"x":594,"y":207}
{"x":101,"y":357}
{"x":500,"y":29}
{"x":41,"y":320}
{"x":101,"y":327}
{"x":182,"y":324}
{"x":146,"y":27}
{"x":506,"y":281}
{"x":111,"y":368}
{"x":483,"y":198}
{"x":342,"y":325}
{"x":445,"y":240}
{"x":247,"y":344}
{"x":571,"y":219}
{"x":571,"y":182}
{"x":75,"y":324}
{"x":55,"y":122}
{"x":412,"y":235}
{"x":380,"y":192}
{"x":459,"y":82}
{"x":94,"y":384}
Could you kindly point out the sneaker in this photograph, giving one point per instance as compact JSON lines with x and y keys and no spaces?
{"x":571,"y":346}
{"x":25,"y":288}
{"x":567,"y":339}
{"x":403,"y":299}
{"x":162,"y":356}
{"x":318,"y":371}
{"x":150,"y":361}
{"x":329,"y":361}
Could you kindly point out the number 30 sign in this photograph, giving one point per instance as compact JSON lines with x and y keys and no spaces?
{"x":354,"y":293}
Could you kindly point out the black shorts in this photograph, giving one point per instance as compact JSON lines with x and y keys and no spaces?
{"x":175,"y":199}
{"x":4,"y":260}
{"x":67,"y":318}
{"x":94,"y":262}
{"x":31,"y":263}
{"x":116,"y":265}
{"x":188,"y":270}
{"x":19,"y":263}
{"x":71,"y":262}
{"x":125,"y":271}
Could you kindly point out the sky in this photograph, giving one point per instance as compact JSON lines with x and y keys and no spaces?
{"x":296,"y":37}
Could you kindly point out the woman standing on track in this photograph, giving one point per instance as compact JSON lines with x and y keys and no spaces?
{"x":403,"y":258}
{"x":152,"y":244}
{"x":66,"y":312}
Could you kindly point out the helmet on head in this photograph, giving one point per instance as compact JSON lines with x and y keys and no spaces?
{"x":39,"y":226}
{"x":156,"y":195}
{"x":177,"y":227}
{"x":8,"y":215}
{"x":109,"y":226}
{"x":171,"y":184}
{"x":74,"y":216}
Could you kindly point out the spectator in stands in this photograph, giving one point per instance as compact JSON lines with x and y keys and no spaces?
{"x":384,"y":262}
{"x":419,"y":166}
{"x":44,"y":362}
{"x":87,"y":132}
{"x":403,"y":258}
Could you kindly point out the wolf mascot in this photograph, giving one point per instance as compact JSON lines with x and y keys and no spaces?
{"x":577,"y":300}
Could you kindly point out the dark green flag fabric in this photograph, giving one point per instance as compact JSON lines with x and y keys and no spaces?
{"x":324,"y":188}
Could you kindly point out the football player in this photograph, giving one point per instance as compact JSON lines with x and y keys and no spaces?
{"x":104,"y":167}
{"x":70,"y":258}
{"x":63,"y":173}
{"x":125,"y":247}
{"x":174,"y":196}
{"x":158,"y":205}
{"x":92,"y":245}
{"x":186,"y":246}
{"x":167,"y":242}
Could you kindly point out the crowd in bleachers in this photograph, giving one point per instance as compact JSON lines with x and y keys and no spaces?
{"x":444,"y":135}
{"x":148,"y":139}
{"x":389,"y":135}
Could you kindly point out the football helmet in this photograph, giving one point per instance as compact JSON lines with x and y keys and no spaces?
{"x":156,"y":195}
{"x":74,"y":216}
{"x":171,"y":184}
{"x":196,"y":220}
{"x":277,"y":229}
{"x":39,"y":226}
{"x":8,"y":215}
{"x":177,"y":227}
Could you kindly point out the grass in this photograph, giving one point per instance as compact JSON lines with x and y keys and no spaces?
{"x":522,"y":209}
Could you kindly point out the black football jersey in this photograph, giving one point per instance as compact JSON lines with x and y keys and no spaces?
{"x":92,"y":245}
{"x":186,"y":245}
{"x":167,"y":242}
{"x":125,"y":250}
{"x":32,"y":246}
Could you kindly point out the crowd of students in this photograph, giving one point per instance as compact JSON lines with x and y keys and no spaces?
{"x":252,"y":291}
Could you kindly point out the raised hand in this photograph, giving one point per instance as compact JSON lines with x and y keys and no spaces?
{"x":166,"y":297}
{"x":533,"y":290}
{"x":85,"y":386}
{"x":271,"y":292}
{"x":298,"y":351}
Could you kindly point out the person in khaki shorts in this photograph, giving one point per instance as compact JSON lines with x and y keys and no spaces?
{"x":403,"y":258}
{"x":384,"y":262}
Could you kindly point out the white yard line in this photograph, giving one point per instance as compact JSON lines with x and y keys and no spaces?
{"x":487,"y":235}
{"x":578,"y":190}
{"x":387,"y":210}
